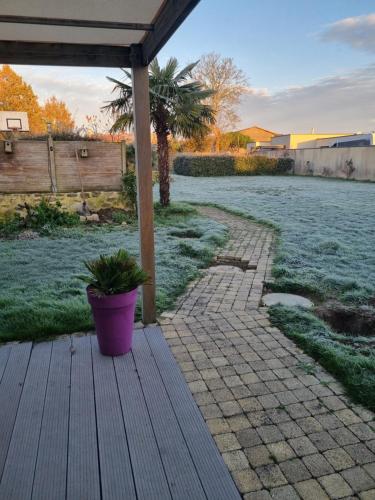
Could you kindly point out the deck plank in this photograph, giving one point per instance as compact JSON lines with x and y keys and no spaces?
{"x":51,"y":466}
{"x":18,"y":475}
{"x":83,"y":480}
{"x":115,"y":467}
{"x":182,"y":476}
{"x":4,"y":355}
{"x":10,"y":393}
{"x":213,"y":472}
{"x":149,"y":476}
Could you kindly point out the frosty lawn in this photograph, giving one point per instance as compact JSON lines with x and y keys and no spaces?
{"x":42,"y":295}
{"x":327,"y":227}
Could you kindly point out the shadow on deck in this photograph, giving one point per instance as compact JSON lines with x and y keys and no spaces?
{"x":78,"y":425}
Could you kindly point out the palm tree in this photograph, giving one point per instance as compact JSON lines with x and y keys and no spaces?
{"x":177,"y":107}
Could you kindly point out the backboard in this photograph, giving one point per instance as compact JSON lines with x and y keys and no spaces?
{"x":14,"y":121}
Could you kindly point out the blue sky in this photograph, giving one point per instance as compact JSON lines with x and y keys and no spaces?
{"x":309,"y":64}
{"x":275,"y":42}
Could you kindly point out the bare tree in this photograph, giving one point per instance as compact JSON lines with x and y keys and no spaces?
{"x":228,"y":83}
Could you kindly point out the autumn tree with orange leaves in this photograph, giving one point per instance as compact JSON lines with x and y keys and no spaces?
{"x":58,"y":115}
{"x":17,"y":95}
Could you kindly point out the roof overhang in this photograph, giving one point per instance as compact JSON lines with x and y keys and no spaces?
{"x":101,"y":33}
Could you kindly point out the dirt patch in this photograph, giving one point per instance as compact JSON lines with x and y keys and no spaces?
{"x":349,"y":320}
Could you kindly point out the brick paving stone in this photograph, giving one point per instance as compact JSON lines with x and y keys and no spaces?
{"x":238,"y":422}
{"x":227,"y":442}
{"x":203,"y":398}
{"x":250,"y":404}
{"x":311,"y":490}
{"x":281,"y":451}
{"x":295,"y":470}
{"x":235,"y":460}
{"x":218,"y":426}
{"x":318,"y":465}
{"x":246,"y":481}
{"x":230,"y":408}
{"x":269,"y":433}
{"x":284,"y":493}
{"x":362,"y":431}
{"x":323,"y":441}
{"x":258,"y":495}
{"x":370,"y":469}
{"x":210,"y":411}
{"x":248,"y":438}
{"x":335,"y":486}
{"x":302,"y":446}
{"x":291,"y":430}
{"x":367,"y":495}
{"x":265,"y":413}
{"x":339,"y":459}
{"x":360,"y":453}
{"x":258,"y":455}
{"x":343,"y":436}
{"x":358,"y":479}
{"x":271,"y":475}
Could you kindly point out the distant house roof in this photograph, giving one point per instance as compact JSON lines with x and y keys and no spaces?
{"x":258,"y":134}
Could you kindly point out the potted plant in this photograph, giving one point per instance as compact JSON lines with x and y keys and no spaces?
{"x":112,"y":294}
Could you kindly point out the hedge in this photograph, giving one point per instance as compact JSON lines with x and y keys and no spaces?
{"x":223,"y":165}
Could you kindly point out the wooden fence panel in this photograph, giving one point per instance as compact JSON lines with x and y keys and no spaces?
{"x":100,"y":171}
{"x":26,"y":169}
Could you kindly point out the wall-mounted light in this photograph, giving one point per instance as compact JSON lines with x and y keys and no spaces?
{"x":84,"y":152}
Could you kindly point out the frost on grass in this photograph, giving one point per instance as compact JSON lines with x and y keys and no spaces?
{"x":41,"y":295}
{"x":327,"y":228}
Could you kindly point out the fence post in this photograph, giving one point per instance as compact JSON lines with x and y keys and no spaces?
{"x":52,"y":163}
{"x":124,"y":167}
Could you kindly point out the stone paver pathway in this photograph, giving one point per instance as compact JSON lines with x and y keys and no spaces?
{"x":282,"y":423}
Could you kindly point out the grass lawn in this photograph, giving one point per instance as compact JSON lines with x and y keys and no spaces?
{"x":326,"y":249}
{"x":42,"y":296}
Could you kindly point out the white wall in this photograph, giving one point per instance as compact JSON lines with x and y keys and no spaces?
{"x":332,"y":162}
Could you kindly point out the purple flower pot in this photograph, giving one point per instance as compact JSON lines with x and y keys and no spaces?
{"x":114,"y":321}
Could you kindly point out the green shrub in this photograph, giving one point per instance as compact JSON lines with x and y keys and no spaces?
{"x":46,"y":216}
{"x":113,"y":274}
{"x":129,"y":190}
{"x":255,"y":165}
{"x":225,"y":165}
{"x":119,"y":217}
{"x":10,"y":225}
{"x":285,"y":165}
{"x":42,"y":217}
{"x":204,"y":166}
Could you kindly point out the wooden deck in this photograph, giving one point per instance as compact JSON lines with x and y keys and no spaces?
{"x":77,"y":425}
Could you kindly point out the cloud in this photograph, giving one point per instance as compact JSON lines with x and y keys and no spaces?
{"x":84,"y":91}
{"x":342,"y":103}
{"x":358,"y":32}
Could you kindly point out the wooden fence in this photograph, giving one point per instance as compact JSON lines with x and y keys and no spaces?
{"x":48,"y":166}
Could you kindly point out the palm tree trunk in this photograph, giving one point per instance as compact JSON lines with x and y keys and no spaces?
{"x":163,"y":164}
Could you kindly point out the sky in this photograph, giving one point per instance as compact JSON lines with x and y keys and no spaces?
{"x":310,"y":65}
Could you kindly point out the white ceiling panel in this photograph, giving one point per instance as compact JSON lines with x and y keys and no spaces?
{"x":130,"y":11}
{"x":62,"y":34}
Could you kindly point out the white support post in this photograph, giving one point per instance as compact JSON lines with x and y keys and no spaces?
{"x":141,"y":104}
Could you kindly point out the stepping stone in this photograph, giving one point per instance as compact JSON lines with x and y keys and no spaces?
{"x":286,"y":299}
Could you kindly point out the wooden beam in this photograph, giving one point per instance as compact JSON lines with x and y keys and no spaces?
{"x":69,"y":54}
{"x":79,"y":23}
{"x":141,"y":104}
{"x":166,"y":23}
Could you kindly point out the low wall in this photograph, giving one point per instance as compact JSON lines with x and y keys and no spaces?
{"x":69,"y":201}
{"x":332,"y":162}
